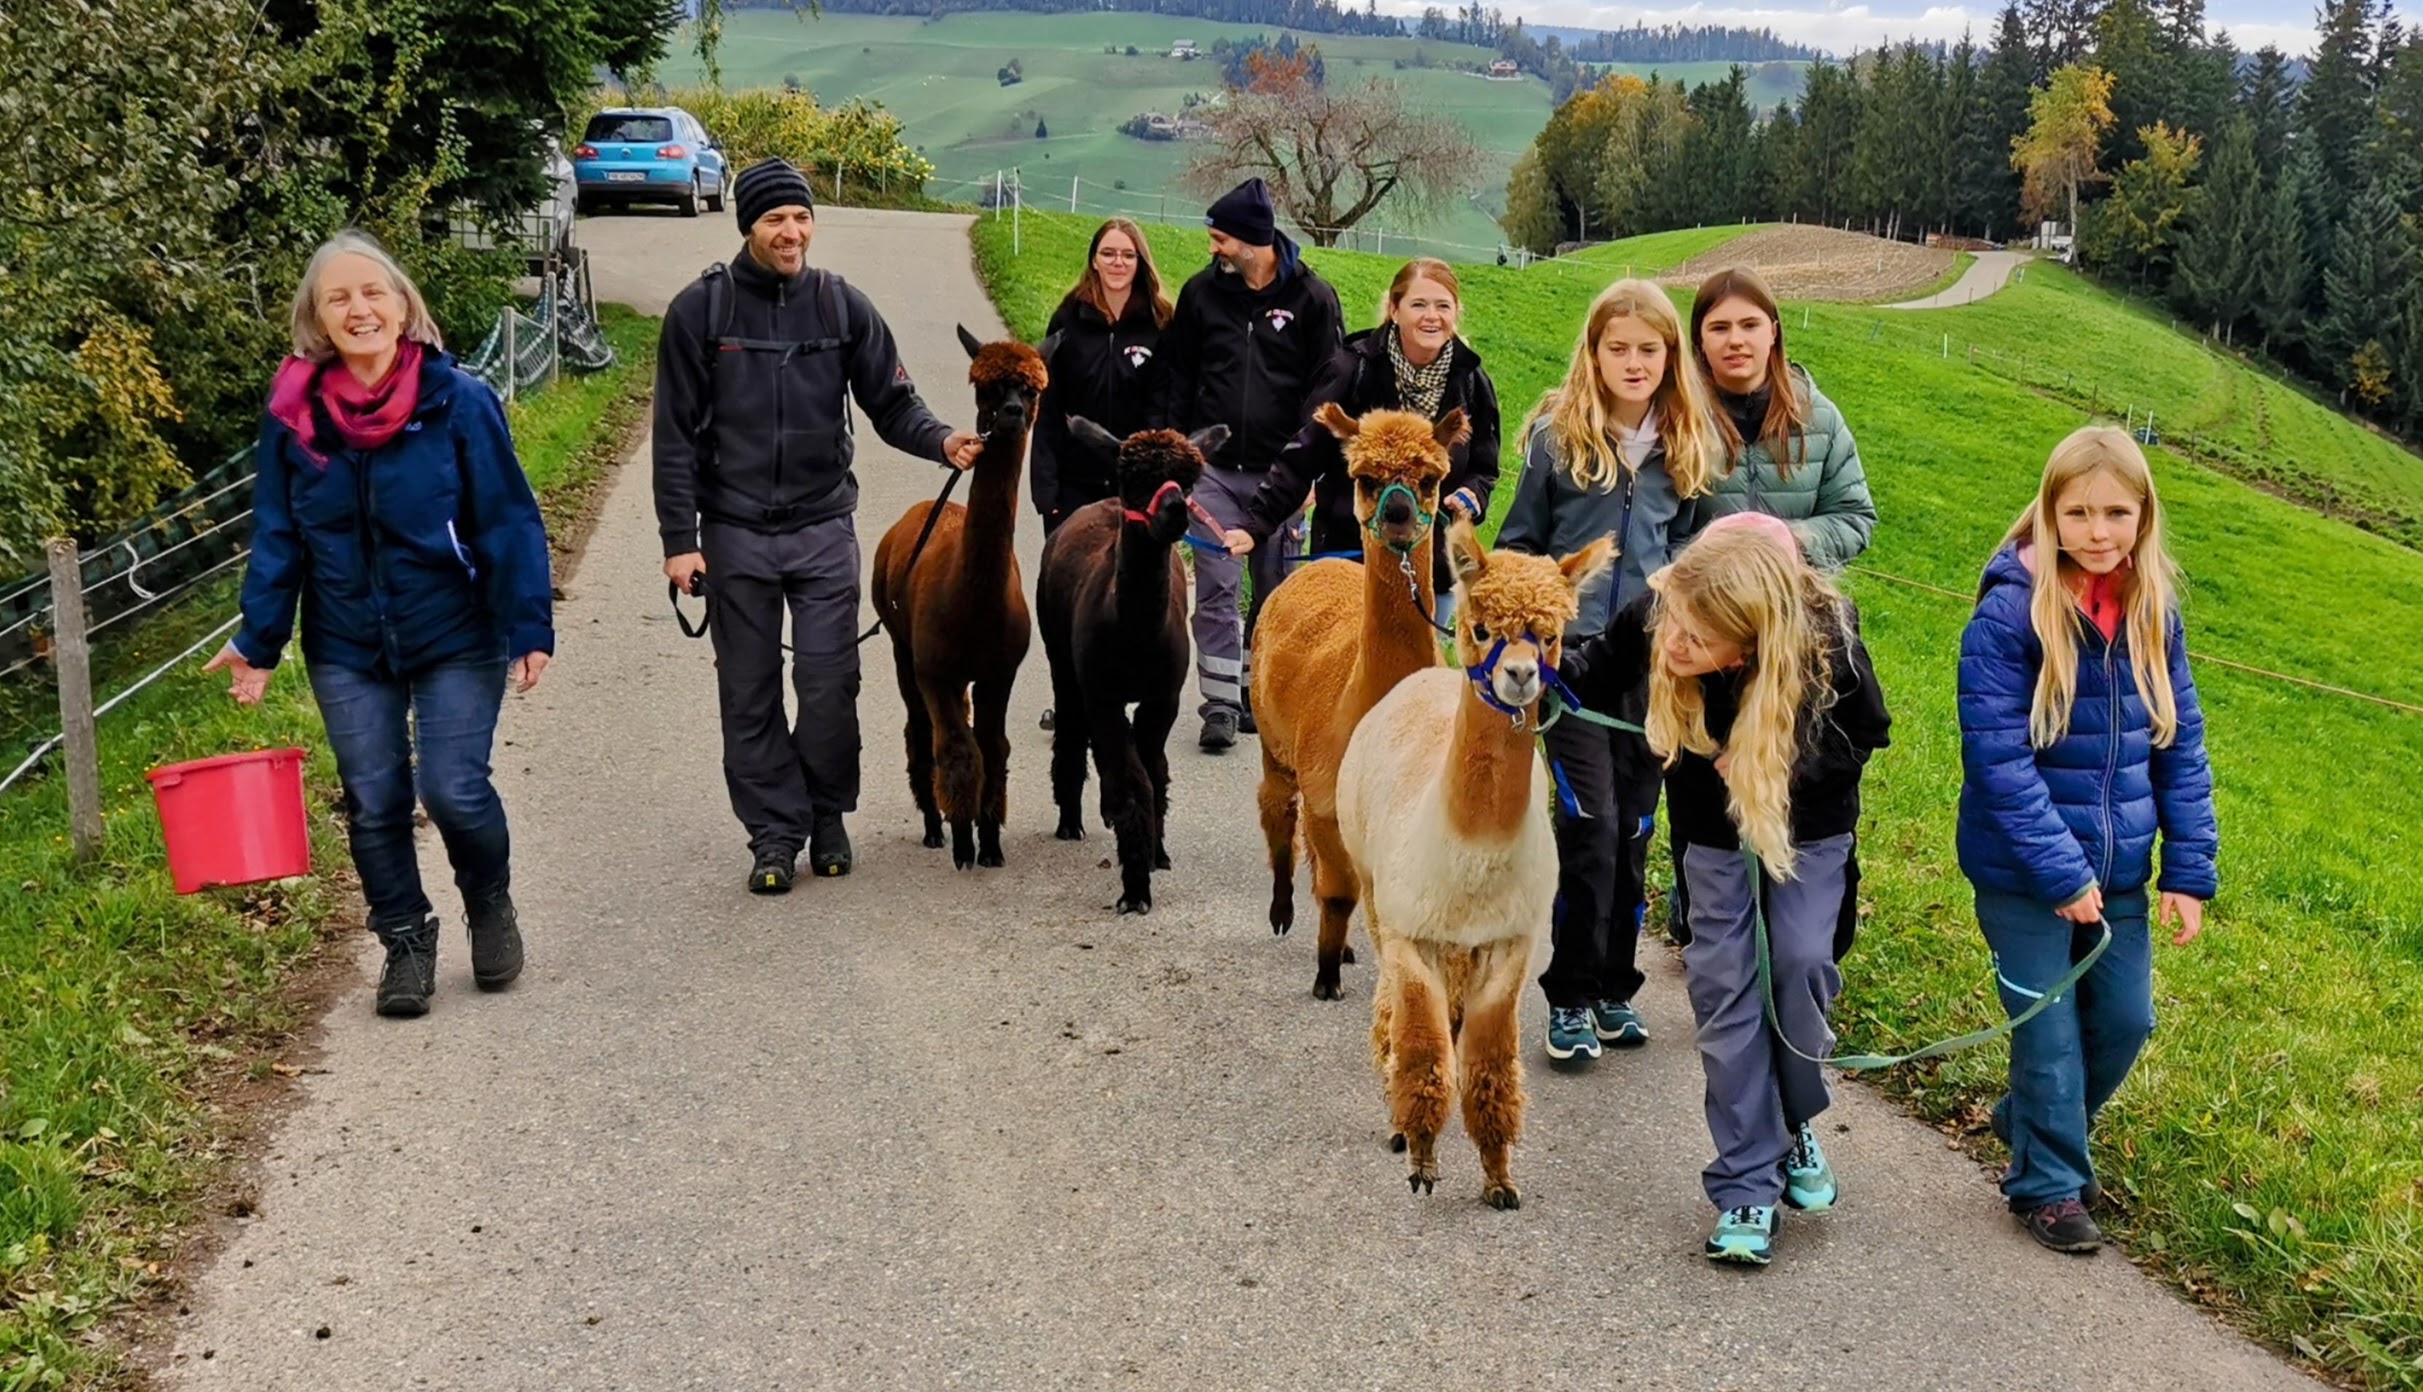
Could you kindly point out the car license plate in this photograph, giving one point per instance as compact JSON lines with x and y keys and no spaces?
{"x":624,"y":176}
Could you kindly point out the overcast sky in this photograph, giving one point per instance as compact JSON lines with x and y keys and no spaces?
{"x":1843,"y":27}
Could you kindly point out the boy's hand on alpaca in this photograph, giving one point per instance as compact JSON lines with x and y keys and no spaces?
{"x":2087,"y":907}
{"x":2187,"y":911}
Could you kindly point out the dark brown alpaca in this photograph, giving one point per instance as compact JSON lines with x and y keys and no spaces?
{"x":1111,"y":600}
{"x":958,"y":619}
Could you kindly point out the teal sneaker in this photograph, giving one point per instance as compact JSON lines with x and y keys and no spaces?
{"x":1808,"y":1179}
{"x":1616,"y":1022}
{"x":1570,"y":1033}
{"x":1744,"y":1235}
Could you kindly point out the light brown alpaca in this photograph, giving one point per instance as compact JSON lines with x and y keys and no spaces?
{"x":1457,"y":865}
{"x":1331,"y":642}
{"x":957,"y":615}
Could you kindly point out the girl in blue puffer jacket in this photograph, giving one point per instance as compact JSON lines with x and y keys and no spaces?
{"x":2080,"y":741}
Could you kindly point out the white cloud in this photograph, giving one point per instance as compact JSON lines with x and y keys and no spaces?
{"x":1843,"y":28}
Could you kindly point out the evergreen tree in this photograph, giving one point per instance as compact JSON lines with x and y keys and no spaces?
{"x":2364,"y":286}
{"x":1829,"y":130}
{"x":2281,"y":261}
{"x":2061,"y":31}
{"x":2216,"y":267}
{"x":1989,"y":186}
{"x":1957,"y":116}
{"x":2129,"y":46}
{"x":2334,"y":107}
{"x":2265,"y":94}
{"x":1719,"y":162}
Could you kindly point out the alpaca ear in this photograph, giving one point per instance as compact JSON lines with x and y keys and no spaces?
{"x":1587,"y":562}
{"x":1453,"y":429}
{"x":1464,"y":554}
{"x":968,"y":341}
{"x":1093,"y":436}
{"x":1208,"y":440}
{"x":1334,"y":419}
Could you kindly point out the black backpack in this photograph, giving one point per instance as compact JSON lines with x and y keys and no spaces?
{"x":836,"y":306}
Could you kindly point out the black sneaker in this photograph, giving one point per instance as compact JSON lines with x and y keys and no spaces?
{"x":829,"y":846}
{"x":410,"y":977}
{"x":772,"y":872}
{"x":2062,"y":1225}
{"x":1219,"y":730}
{"x":496,"y":941}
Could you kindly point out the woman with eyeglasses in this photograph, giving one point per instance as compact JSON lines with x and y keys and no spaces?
{"x":1099,"y":350}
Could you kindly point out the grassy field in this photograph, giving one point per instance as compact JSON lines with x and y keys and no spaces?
{"x":939,"y":77}
{"x":136,"y":1025}
{"x":2269,"y":1152}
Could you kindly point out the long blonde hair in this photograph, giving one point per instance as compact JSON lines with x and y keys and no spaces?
{"x":1580,"y":411}
{"x":2149,"y":586}
{"x":1743,"y":585}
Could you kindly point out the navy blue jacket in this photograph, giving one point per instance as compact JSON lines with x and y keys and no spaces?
{"x":427,"y":550}
{"x":2083,"y":812}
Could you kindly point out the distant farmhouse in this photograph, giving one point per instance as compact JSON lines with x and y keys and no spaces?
{"x":1184,"y":50}
{"x":1504,"y":70}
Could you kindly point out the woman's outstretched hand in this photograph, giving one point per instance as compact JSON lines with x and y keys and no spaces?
{"x":526,"y":670}
{"x":250,"y":683}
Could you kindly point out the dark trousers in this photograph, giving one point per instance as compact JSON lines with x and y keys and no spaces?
{"x":780,"y":774}
{"x":2067,"y":1062}
{"x":1602,"y":861}
{"x":428,"y":738}
{"x":1678,"y":898}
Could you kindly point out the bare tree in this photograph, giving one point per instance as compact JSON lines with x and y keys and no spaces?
{"x":1333,"y":156}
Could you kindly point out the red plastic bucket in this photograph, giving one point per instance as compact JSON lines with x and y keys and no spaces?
{"x":236,"y":819}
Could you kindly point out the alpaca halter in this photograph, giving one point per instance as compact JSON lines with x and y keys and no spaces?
{"x":1146,"y":516}
{"x":1413,"y":500}
{"x":1167,"y":488}
{"x":1483,"y":677}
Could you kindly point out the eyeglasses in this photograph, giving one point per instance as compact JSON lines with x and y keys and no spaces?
{"x":1114,"y":256}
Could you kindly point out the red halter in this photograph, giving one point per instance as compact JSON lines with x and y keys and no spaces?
{"x":1167,"y":488}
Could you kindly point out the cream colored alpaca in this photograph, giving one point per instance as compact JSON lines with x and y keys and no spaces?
{"x":1330,"y":643}
{"x":1456,"y":862}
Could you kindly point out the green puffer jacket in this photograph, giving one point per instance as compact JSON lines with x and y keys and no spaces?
{"x":1825,"y":498}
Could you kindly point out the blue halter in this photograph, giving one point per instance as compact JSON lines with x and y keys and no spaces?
{"x":1483,"y":676}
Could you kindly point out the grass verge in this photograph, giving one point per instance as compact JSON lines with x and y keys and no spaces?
{"x":2268,"y":1152}
{"x":138,"y":1028}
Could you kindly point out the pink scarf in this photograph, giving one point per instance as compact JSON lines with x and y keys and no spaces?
{"x":365,"y":417}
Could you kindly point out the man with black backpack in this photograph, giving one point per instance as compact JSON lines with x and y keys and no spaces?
{"x":755,"y":366}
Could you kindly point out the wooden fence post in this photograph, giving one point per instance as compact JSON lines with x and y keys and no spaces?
{"x":71,"y":654}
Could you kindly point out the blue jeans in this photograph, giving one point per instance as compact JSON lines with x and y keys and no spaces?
{"x":376,"y":726}
{"x":2067,"y":1062}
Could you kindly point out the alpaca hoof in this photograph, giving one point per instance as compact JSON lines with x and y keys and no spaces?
{"x":1396,"y":1142}
{"x":1129,"y":905}
{"x":1502,"y":1197}
{"x":990,"y":860}
{"x":1423,"y":1181}
{"x":1326,"y":987}
{"x":1282,"y":916}
{"x":933,"y":834}
{"x":1069,"y":831}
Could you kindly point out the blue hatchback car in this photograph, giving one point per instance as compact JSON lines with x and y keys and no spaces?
{"x":649,"y":155}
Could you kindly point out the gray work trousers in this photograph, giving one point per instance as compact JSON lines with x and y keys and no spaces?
{"x":780,"y":774}
{"x":1222,"y":642}
{"x":1759,"y":1092}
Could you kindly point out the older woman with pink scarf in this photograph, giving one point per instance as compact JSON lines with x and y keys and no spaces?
{"x":390,"y":509}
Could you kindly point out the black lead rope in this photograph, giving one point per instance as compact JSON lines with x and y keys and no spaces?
{"x":698,"y":581}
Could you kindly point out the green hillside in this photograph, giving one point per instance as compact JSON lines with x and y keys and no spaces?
{"x":940,"y":78}
{"x":2269,"y":1152}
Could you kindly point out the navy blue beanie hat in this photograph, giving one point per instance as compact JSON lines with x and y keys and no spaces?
{"x":1244,"y":213}
{"x":767,"y":185}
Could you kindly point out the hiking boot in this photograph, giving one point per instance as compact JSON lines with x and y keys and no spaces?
{"x":410,"y":977}
{"x":1745,"y":1235}
{"x":496,"y":941}
{"x":772,"y":872}
{"x":1571,"y":1034}
{"x":829,"y":846}
{"x":1998,"y":1121}
{"x":1808,"y":1179}
{"x":1618,"y":1023}
{"x":1219,"y":730}
{"x":2062,"y":1225}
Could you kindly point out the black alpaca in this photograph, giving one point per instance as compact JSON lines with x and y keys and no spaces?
{"x":1111,"y":601}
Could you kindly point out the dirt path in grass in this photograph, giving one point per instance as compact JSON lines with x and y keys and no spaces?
{"x":920,"y":1129}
